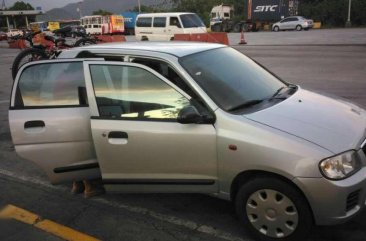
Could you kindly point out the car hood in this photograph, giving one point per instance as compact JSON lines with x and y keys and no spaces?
{"x":329,"y":122}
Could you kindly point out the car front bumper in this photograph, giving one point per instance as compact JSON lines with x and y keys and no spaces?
{"x":335,"y":202}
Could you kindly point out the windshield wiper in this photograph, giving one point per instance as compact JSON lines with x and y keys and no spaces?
{"x":278,"y":95}
{"x":246,"y":104}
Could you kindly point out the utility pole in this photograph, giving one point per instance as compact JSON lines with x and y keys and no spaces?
{"x":3,"y":5}
{"x":139,"y":3}
{"x":348,"y":23}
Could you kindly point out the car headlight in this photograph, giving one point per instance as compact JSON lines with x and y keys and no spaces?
{"x":340,"y":166}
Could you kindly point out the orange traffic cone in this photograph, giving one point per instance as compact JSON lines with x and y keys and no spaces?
{"x":242,"y":38}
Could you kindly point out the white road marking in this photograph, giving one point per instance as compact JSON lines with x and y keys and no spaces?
{"x":4,"y":101}
{"x":139,"y":210}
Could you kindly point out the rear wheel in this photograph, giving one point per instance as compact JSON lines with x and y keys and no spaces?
{"x":26,"y":56}
{"x":273,"y":210}
{"x":298,"y":28}
{"x":84,"y":42}
{"x":237,"y":28}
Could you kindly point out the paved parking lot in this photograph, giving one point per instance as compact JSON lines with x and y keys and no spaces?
{"x":332,"y":69}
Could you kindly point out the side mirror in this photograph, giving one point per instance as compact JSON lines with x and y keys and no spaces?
{"x":189,"y":115}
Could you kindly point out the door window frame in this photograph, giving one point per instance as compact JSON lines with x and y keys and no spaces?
{"x":94,"y":111}
{"x":15,"y":88}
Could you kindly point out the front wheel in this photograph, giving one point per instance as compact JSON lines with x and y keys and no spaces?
{"x":26,"y":56}
{"x":273,"y":210}
{"x":276,"y":29}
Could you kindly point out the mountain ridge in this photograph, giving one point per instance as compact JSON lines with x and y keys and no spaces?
{"x":87,"y":7}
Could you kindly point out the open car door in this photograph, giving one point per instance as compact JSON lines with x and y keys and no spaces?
{"x":49,"y":120}
{"x":139,"y":143}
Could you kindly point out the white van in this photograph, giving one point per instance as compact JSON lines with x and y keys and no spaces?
{"x":163,"y":26}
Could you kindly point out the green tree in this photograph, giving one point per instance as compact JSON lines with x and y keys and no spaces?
{"x":334,"y":12}
{"x":102,"y":12}
{"x":149,"y":9}
{"x":20,"y":5}
{"x":20,"y":20}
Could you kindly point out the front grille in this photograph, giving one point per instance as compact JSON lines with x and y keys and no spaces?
{"x":352,"y":200}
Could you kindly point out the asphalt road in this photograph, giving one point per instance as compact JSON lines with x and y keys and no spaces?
{"x":351,"y":36}
{"x":336,"y":70}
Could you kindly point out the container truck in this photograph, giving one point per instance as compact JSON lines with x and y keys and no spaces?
{"x":260,"y":15}
{"x":130,"y":21}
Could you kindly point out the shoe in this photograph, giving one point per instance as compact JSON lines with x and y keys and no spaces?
{"x":93,"y":188}
{"x":77,"y":187}
{"x":95,"y":192}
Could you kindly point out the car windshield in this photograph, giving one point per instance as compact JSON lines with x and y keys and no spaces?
{"x":191,"y":21}
{"x":230,"y":78}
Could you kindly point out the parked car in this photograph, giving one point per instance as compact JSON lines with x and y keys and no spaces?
{"x":3,"y":36}
{"x":163,"y":26}
{"x":14,"y":32}
{"x":293,"y":23}
{"x":175,"y":117}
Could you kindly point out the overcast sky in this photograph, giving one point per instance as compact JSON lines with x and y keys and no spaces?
{"x":45,"y":4}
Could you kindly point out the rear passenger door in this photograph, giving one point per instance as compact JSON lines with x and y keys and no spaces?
{"x":49,"y":120}
{"x":292,"y":23}
{"x":160,"y":31}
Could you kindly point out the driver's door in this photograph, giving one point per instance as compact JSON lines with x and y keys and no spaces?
{"x":139,"y":144}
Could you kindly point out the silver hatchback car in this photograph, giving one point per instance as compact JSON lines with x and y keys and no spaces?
{"x":186,"y":117}
{"x":293,"y":23}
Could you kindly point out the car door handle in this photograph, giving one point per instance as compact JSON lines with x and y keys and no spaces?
{"x":117,"y":138}
{"x":34,"y":126}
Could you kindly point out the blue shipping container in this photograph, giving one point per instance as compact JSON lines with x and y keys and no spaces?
{"x":130,"y":19}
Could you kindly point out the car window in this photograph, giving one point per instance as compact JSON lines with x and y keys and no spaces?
{"x":191,"y":21}
{"x":52,"y":85}
{"x":174,"y":21}
{"x":144,"y":22}
{"x":168,"y":72}
{"x":134,"y":93}
{"x":235,"y":78}
{"x":160,"y":22}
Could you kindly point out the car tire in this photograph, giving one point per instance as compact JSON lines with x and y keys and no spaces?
{"x":84,"y":42}
{"x":298,"y":28}
{"x":237,"y":28}
{"x":33,"y":54}
{"x":285,"y":208}
{"x":144,"y":38}
{"x":276,"y":28}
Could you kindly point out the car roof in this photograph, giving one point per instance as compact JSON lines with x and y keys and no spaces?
{"x":163,"y":14}
{"x":176,"y":48}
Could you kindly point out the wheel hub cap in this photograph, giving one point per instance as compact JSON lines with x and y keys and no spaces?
{"x":272,"y":213}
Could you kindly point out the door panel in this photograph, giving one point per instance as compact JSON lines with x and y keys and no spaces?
{"x":49,"y":120}
{"x":137,"y":139}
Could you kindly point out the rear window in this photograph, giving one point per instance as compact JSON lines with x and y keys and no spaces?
{"x":191,"y":21}
{"x":144,"y":22}
{"x":51,"y":85}
{"x":160,"y":22}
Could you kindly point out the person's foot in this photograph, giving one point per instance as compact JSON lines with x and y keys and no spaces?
{"x":77,"y":187}
{"x":93,"y":188}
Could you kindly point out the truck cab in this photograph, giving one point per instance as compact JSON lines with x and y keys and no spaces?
{"x":220,"y":14}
